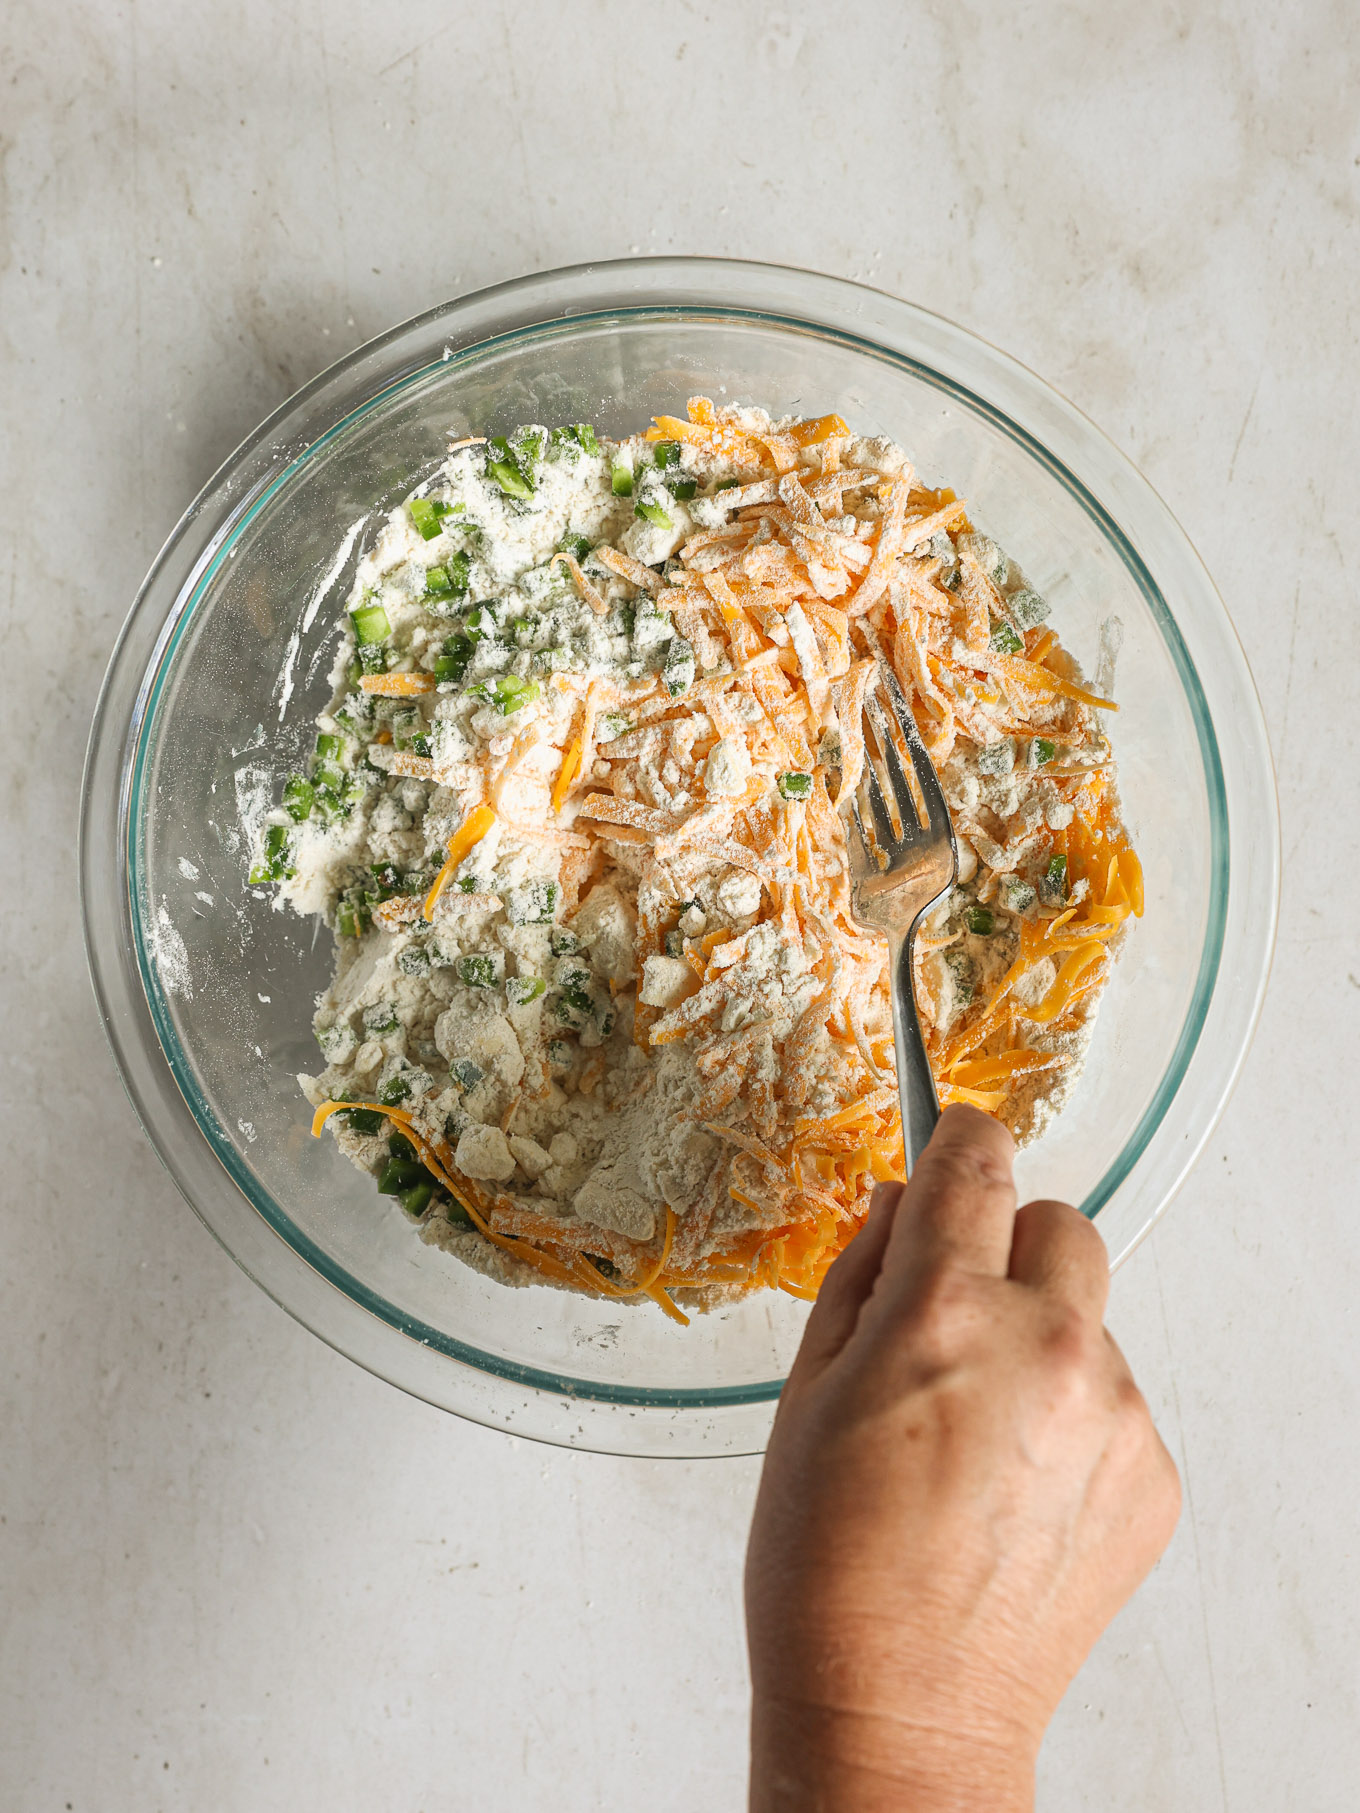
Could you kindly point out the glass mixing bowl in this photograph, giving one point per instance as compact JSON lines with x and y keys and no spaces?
{"x":206,"y":990}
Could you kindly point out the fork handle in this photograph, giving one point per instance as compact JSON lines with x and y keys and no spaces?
{"x":915,"y":1084}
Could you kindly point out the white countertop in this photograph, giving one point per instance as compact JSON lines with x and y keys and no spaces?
{"x":238,"y":1574}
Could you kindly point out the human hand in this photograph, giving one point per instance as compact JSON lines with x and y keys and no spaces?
{"x":962,"y":1488}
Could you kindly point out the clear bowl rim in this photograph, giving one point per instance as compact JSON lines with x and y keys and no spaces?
{"x":230,"y":501}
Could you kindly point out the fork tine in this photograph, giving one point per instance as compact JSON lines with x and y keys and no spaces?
{"x":885,"y":831}
{"x":897,"y":775}
{"x":864,"y":852}
{"x":927,"y":779}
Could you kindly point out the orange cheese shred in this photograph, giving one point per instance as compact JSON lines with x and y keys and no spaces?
{"x":468,"y":835}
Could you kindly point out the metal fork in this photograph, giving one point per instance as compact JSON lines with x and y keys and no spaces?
{"x":902,"y":859}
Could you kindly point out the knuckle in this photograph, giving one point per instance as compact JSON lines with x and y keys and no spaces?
{"x":1066,"y":1342}
{"x":956,"y":1169}
{"x":942,"y":1306}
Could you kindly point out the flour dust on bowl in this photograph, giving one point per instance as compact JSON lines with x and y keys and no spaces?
{"x":208,"y":992}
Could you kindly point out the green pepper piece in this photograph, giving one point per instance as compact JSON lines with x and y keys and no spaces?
{"x":395,"y":1089}
{"x":794,"y":785}
{"x":653,"y":513}
{"x":585,"y":434}
{"x":620,"y":480}
{"x":578,"y":546}
{"x":416,"y":1200}
{"x":503,"y":467}
{"x":297,"y":797}
{"x":437,"y":582}
{"x":520,"y":990}
{"x":508,"y":693}
{"x":450,"y":667}
{"x":363,"y":1120}
{"x":1027,"y":607}
{"x":667,"y":453}
{"x":428,"y":513}
{"x":1044,"y":751}
{"x":1004,"y":639}
{"x":477,"y":972}
{"x":980,"y":921}
{"x":371,"y":625}
{"x":1053,"y":881}
{"x":400,"y":1147}
{"x":683,"y":488}
{"x":398,"y":1174}
{"x":677,"y":673}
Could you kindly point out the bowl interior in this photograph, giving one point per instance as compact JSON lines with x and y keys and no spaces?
{"x":242,"y":669}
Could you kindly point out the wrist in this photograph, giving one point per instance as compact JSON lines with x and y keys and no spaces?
{"x":834,"y":1760}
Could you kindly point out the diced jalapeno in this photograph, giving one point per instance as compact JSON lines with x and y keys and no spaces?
{"x":414,"y":960}
{"x":371,"y":625}
{"x":666,"y":453}
{"x":683,"y":488}
{"x":1044,"y":751}
{"x":297,"y":797}
{"x":465,"y":1073}
{"x":533,"y":903}
{"x":559,"y":1054}
{"x":577,"y":998}
{"x":507,"y":472}
{"x":1053,"y":882}
{"x":395,"y":1089}
{"x":507,"y":693}
{"x":276,"y":864}
{"x":477,"y":972}
{"x":428,"y":515}
{"x":727,"y":484}
{"x":563,"y":943}
{"x":962,"y":972}
{"x":437,"y":582}
{"x":520,"y":990}
{"x":1027,"y":607}
{"x":1004,"y":639}
{"x":373,"y":658}
{"x":653,"y":513}
{"x":479,"y":625}
{"x":329,"y":748}
{"x":980,"y":921}
{"x":380,"y":1019}
{"x":363,"y":1120}
{"x":450,"y":667}
{"x":605,"y":1267}
{"x":398,"y":1174}
{"x":620,"y":480}
{"x":1018,"y":895}
{"x":416,"y":1200}
{"x":794,"y":785}
{"x":675,"y":944}
{"x":400,"y":1147}
{"x":586,"y":435}
{"x":578,"y":546}
{"x":458,"y":1215}
{"x":677,"y":674}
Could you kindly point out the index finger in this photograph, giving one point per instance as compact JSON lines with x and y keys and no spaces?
{"x":959,"y":1204}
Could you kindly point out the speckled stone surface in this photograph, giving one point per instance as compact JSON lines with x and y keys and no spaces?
{"x":236,"y":1572}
